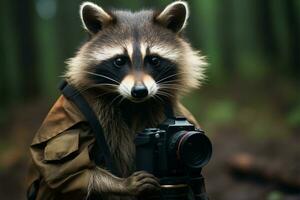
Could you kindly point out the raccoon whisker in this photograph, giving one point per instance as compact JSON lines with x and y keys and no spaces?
{"x":115,"y":99}
{"x":166,"y":91}
{"x":102,"y":94}
{"x":167,"y":69}
{"x":171,"y":81}
{"x":169,"y":89}
{"x":122,"y":99}
{"x":105,"y":84}
{"x":170,"y":85}
{"x":103,"y":76}
{"x":99,"y":84}
{"x":156,"y":97}
{"x":159,"y":98}
{"x":175,"y":88}
{"x":83,"y":89}
{"x":171,"y":76}
{"x":109,"y":69}
{"x":165,"y":94}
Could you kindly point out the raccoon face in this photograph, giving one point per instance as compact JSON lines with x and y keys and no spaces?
{"x":138,"y":55}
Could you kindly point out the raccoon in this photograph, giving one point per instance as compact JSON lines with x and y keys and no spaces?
{"x":131,"y":66}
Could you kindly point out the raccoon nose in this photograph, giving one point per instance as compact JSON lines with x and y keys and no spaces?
{"x":139,"y":91}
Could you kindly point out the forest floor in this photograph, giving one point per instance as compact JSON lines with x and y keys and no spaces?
{"x":277,"y":153}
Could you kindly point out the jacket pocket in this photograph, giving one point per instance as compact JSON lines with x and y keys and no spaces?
{"x":62,"y":146}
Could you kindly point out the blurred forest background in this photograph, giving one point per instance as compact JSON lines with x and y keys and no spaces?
{"x":249,"y":105}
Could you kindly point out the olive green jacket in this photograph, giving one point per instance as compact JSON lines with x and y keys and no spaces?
{"x":61,"y":164}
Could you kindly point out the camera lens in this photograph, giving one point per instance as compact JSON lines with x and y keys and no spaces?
{"x":192,"y":148}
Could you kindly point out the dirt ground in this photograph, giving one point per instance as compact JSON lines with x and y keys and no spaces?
{"x":221,"y":183}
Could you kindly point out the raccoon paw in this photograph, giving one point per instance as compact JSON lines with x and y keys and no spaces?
{"x":141,"y":182}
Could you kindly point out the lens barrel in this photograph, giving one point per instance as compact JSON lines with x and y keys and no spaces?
{"x":192,"y":148}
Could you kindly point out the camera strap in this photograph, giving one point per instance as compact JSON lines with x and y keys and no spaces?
{"x":168,"y":110}
{"x":101,"y":149}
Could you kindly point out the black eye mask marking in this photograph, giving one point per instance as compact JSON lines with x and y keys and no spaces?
{"x":154,"y":61}
{"x":160,"y":68}
{"x":121,"y":61}
{"x":111,"y":71}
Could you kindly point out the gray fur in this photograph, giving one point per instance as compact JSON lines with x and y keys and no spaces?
{"x":121,"y":121}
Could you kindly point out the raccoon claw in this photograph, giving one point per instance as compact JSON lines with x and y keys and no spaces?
{"x":141,"y":182}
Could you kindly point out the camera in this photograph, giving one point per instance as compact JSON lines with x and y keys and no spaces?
{"x":175,"y":152}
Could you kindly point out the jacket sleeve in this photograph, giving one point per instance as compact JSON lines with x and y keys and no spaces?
{"x":63,"y":161}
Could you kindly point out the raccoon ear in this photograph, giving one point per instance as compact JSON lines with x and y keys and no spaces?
{"x":174,"y":16}
{"x":93,"y":17}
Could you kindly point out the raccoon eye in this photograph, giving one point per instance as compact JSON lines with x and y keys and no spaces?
{"x":120,"y":61}
{"x":154,"y":61}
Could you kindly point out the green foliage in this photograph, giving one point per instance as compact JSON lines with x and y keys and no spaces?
{"x":222,"y":112}
{"x":293,"y":117}
{"x":275,"y":195}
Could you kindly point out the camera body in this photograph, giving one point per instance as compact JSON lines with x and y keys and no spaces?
{"x":173,"y":152}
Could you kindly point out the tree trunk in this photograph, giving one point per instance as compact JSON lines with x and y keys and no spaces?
{"x":24,"y":21}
